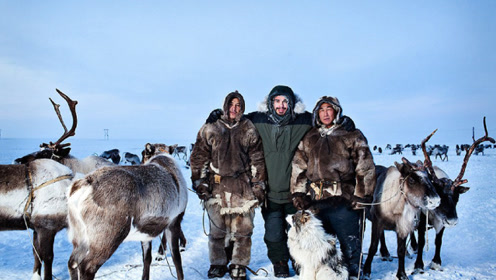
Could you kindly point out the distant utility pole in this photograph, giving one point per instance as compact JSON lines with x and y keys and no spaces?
{"x":106,"y":134}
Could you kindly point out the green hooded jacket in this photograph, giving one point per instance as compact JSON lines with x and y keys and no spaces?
{"x":280,"y":138}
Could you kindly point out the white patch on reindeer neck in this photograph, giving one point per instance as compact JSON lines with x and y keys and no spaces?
{"x":75,"y":203}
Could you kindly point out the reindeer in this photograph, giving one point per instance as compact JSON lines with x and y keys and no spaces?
{"x":181,"y":153}
{"x":401,"y":191}
{"x":440,"y":151}
{"x":34,"y":196}
{"x":113,"y":155}
{"x":114,"y":204}
{"x":131,"y":158}
{"x":398,"y":149}
{"x":60,"y":152}
{"x":160,"y":148}
{"x":445,"y":214}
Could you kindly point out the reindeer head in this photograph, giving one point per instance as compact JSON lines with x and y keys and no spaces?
{"x":156,"y":149}
{"x":55,"y":150}
{"x":450,"y":190}
{"x":416,"y":185}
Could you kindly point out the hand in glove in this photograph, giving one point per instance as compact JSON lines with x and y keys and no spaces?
{"x":259,"y":192}
{"x":301,"y":201}
{"x":357,"y":203}
{"x":201,"y":189}
{"x":214,"y":116}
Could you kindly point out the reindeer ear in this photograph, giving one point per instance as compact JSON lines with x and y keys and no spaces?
{"x":63,"y":152}
{"x":462,"y":189}
{"x":398,"y":165}
{"x":149,"y":149}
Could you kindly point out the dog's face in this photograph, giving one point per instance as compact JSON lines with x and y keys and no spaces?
{"x":300,"y":218}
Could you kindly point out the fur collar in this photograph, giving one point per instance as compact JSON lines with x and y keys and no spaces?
{"x":299,"y":106}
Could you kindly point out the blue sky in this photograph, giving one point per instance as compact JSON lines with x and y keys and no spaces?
{"x":155,"y":69}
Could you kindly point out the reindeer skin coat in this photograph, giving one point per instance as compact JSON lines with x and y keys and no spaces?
{"x":232,"y":149}
{"x":336,"y":155}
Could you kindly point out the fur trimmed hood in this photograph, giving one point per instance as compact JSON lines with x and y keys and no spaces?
{"x":334,"y":102}
{"x":295,"y":102}
{"x":227,"y":101}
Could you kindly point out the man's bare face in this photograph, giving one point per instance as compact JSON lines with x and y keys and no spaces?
{"x":280,"y":104}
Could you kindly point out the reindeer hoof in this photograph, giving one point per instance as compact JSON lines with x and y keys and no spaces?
{"x":387,"y":258}
{"x":160,"y":257}
{"x":436,"y":266}
{"x":418,"y":271}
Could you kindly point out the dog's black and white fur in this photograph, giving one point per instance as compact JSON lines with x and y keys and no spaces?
{"x":313,"y":249}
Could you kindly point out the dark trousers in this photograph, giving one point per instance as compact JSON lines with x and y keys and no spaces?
{"x":344,"y":222}
{"x":276,"y":230}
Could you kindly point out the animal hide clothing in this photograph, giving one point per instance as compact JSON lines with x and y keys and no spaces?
{"x":228,"y":156}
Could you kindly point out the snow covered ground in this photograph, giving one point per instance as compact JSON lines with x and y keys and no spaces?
{"x":468,"y":249}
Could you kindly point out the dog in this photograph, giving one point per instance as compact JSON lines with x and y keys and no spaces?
{"x":313,"y":249}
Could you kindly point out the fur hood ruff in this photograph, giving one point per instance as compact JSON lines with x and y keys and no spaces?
{"x":299,"y":106}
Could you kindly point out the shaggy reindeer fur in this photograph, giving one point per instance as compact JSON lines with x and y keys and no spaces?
{"x":313,"y":249}
{"x":47,"y":211}
{"x":114,"y":204}
{"x":402,"y":191}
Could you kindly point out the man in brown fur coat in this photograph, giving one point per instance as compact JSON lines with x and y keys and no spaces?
{"x":333,"y":172}
{"x":228,"y":174}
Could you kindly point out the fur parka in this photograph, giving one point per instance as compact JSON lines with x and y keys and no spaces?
{"x":232,"y":151}
{"x":339,"y":160}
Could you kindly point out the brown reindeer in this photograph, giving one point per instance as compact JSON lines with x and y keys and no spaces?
{"x":34,"y":196}
{"x":147,"y":153}
{"x":60,"y":151}
{"x":445,"y":214}
{"x":113,"y":204}
{"x":401,"y":191}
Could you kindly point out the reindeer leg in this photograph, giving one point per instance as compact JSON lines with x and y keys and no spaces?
{"x":44,"y":248}
{"x":401,"y":274}
{"x":436,"y":261}
{"x":162,"y":248}
{"x":383,"y":249}
{"x":37,"y":262}
{"x":419,"y":263}
{"x":413,"y":242}
{"x":146,"y":248}
{"x":182,"y":241}
{"x":374,"y":243}
{"x":173,"y":235}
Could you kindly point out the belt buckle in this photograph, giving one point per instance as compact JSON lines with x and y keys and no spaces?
{"x":217,"y":178}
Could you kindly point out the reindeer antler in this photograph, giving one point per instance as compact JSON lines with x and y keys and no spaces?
{"x":72,"y":106}
{"x":458,"y":181}
{"x":427,"y":161}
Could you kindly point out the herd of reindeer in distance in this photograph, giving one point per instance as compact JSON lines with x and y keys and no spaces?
{"x":28,"y":177}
